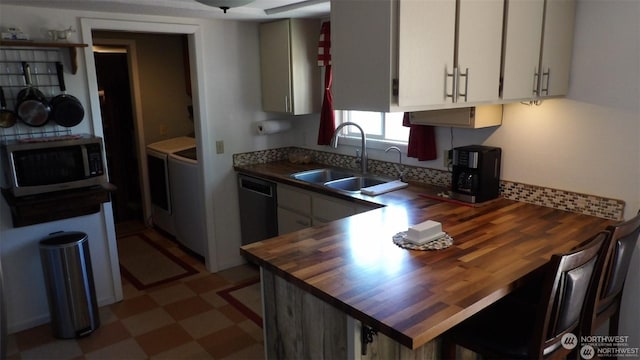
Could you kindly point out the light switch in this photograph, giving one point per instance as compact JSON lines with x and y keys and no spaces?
{"x":220,"y":147}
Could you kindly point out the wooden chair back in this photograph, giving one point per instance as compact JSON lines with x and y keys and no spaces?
{"x":571,"y":279}
{"x":623,"y":240}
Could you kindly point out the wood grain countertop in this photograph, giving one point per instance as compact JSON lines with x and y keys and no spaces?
{"x":414,"y":296}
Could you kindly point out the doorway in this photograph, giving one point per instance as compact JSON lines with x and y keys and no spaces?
{"x":194,"y":37}
{"x":145,"y":97}
{"x":112,"y":70}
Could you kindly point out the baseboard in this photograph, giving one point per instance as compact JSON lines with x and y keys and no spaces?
{"x":46,"y":318}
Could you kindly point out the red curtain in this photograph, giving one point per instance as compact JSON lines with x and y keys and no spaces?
{"x":327,"y":117}
{"x":422,"y":140}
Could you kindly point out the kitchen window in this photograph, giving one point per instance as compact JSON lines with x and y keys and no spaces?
{"x":382,"y":129}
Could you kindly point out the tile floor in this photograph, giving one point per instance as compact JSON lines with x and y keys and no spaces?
{"x":185,"y":319}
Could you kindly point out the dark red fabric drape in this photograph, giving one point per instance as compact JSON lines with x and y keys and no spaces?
{"x":327,"y":116}
{"x":422,"y":140}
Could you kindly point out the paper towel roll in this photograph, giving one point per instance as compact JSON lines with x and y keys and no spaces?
{"x":272,"y":126}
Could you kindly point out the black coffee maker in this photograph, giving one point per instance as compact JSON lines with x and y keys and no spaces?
{"x":476,"y":173}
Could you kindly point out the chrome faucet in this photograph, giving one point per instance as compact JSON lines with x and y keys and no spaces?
{"x":398,"y":166}
{"x":363,"y":145}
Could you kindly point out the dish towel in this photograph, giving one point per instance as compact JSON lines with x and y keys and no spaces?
{"x":422,"y":140}
{"x":383,"y":188}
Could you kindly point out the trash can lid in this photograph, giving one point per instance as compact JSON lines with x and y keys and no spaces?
{"x":63,"y":238}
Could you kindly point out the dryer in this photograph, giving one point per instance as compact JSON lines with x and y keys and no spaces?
{"x":162,"y":212}
{"x":188,"y":200}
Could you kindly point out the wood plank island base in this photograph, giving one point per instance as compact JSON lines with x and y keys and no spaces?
{"x":320,"y":284}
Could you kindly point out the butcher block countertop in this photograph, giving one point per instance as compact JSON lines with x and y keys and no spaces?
{"x":414,"y":296}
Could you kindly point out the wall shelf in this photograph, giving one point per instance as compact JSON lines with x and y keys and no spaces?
{"x":36,"y":209}
{"x":72,"y":47}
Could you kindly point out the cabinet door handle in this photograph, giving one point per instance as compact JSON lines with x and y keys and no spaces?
{"x":454,"y":84}
{"x":466,"y":84}
{"x":286,"y":103}
{"x":536,"y":86}
{"x":545,"y":89}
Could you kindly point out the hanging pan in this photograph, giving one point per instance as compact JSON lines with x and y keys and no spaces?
{"x":32,"y":106}
{"x":8,"y":118}
{"x":66,"y":110}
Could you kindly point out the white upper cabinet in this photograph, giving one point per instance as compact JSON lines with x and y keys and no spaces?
{"x":557,"y":46}
{"x":479,"y":49}
{"x":363,"y":54}
{"x":522,"y":49}
{"x":406,"y":55}
{"x":412,"y":55}
{"x":537,"y":49}
{"x":426,"y":48}
{"x":288,"y":64}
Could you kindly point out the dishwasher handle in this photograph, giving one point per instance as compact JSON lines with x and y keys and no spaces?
{"x":261,"y":187}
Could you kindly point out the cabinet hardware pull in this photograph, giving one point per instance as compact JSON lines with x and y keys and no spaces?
{"x":548,"y":75}
{"x":466,"y":84}
{"x":454,"y":84}
{"x":366,"y":337}
{"x":286,"y":103}
{"x":536,"y":86}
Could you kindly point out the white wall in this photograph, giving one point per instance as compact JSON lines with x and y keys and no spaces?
{"x":25,"y":294}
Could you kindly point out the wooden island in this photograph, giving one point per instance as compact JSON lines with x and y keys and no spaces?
{"x":325,"y":286}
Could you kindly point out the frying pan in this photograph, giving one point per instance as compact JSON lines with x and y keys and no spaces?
{"x":32,"y":106}
{"x":66,"y":110}
{"x":7,"y":117}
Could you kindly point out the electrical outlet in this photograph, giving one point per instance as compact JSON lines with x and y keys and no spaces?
{"x":219,"y":147}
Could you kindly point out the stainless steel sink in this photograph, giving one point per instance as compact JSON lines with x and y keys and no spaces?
{"x":337,"y":179}
{"x":354,"y":184}
{"x":321,"y":176}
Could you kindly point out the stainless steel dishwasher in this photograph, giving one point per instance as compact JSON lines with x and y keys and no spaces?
{"x":258,"y":209}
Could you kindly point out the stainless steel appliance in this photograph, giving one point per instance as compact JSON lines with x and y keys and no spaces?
{"x":476,"y":173}
{"x":258,"y":209}
{"x":42,"y":165}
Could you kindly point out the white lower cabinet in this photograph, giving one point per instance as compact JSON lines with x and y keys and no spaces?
{"x":326,"y":209}
{"x":289,"y":221}
{"x":298,"y":209}
{"x":294,"y":209}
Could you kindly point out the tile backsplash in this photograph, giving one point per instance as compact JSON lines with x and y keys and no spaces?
{"x":558,"y":199}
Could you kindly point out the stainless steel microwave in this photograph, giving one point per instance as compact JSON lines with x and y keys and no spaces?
{"x":37,"y":166}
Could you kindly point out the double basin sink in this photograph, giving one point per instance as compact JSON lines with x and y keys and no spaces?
{"x":338,"y":179}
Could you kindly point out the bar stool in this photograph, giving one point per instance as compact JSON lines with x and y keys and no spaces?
{"x":622,"y":243}
{"x":512,"y":329}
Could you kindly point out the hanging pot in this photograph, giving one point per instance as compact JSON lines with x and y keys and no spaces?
{"x":8,"y":118}
{"x":66,"y":110}
{"x":32,"y":106}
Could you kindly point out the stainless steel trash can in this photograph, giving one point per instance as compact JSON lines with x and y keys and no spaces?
{"x":69,"y":279}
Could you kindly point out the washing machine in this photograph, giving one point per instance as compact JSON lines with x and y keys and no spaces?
{"x":188,"y":200}
{"x":162,"y":212}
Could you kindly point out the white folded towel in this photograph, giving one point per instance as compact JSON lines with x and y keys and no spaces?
{"x":383,"y":188}
{"x":424,"y":232}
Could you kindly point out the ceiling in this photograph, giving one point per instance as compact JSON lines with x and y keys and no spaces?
{"x":257,"y":10}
